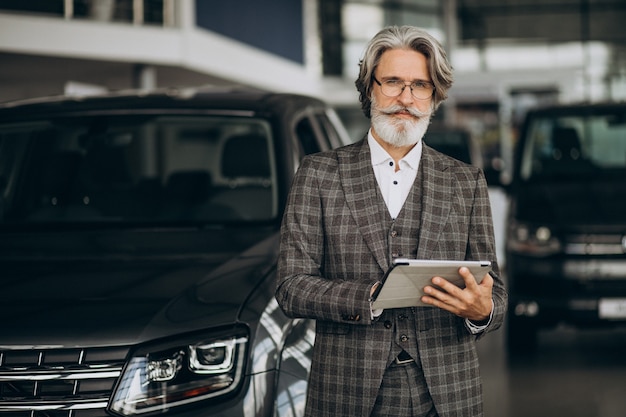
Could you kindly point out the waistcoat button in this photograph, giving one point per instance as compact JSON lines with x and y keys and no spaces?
{"x":388,"y":324}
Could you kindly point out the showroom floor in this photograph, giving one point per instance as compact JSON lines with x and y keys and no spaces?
{"x":573,"y":373}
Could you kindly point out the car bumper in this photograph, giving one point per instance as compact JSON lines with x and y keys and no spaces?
{"x":578,"y":291}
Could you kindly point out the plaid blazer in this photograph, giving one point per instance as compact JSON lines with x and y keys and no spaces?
{"x":334,"y":248}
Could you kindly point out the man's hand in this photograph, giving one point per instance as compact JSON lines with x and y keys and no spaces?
{"x":472,"y":302}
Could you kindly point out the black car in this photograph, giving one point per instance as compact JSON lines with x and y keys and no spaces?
{"x":138,"y":250}
{"x":455,"y":142}
{"x":566,"y":243}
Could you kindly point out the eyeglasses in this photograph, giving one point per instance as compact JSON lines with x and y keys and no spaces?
{"x":421,"y":90}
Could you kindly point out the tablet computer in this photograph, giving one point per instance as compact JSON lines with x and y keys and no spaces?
{"x":403,"y":284}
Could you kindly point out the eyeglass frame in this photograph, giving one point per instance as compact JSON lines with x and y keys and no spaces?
{"x":405,"y":85}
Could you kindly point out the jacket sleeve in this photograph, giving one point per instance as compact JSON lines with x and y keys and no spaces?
{"x":481,"y":245}
{"x":302,"y":289}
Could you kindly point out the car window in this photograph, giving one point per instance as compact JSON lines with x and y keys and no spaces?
{"x":329,"y":122}
{"x":453,"y":143}
{"x":138,"y":168}
{"x":328,"y":135}
{"x":575,"y":145}
{"x":318,"y":131}
{"x":307,"y":137}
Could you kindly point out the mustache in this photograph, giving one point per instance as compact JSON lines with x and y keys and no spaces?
{"x":398,"y":109}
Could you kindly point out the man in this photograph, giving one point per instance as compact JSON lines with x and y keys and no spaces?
{"x":352,"y":210}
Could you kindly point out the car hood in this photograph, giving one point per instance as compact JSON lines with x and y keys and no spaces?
{"x":126,"y":292}
{"x":589,"y":204}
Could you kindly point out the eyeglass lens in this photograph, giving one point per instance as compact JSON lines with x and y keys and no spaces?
{"x":393,"y":88}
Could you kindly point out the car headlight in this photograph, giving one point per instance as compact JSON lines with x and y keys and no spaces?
{"x":532,"y":240}
{"x":161,"y":376}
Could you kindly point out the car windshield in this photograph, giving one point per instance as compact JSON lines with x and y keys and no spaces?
{"x":451,"y":142}
{"x":138,"y":169}
{"x":586,"y":146}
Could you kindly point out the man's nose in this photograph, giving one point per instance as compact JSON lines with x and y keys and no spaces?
{"x":406,"y":96}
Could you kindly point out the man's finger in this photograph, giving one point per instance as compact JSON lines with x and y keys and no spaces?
{"x":445,"y":285}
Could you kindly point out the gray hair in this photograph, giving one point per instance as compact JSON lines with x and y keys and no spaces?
{"x":404,"y":37}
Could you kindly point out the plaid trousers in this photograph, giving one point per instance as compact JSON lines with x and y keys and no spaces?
{"x":403,"y":393}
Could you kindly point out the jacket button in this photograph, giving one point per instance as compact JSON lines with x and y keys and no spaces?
{"x":388,"y":324}
{"x":404,"y":338}
{"x":394,"y":233}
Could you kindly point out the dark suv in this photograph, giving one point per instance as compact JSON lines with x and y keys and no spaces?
{"x":455,"y":142}
{"x":138,"y":249}
{"x":566,"y":244}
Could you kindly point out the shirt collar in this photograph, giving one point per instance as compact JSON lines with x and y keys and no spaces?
{"x":380,"y":155}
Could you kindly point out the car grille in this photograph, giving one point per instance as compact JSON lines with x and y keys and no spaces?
{"x":597,"y":244}
{"x":58,"y":382}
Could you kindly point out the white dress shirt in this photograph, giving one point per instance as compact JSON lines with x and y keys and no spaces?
{"x":394,"y":185}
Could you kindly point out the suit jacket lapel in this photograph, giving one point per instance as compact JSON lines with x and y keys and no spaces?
{"x":436,"y":200}
{"x":364,"y":199}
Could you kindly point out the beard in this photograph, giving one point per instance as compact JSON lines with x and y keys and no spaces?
{"x":399,"y":132}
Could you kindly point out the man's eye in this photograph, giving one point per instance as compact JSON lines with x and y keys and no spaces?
{"x":394,"y":83}
{"x":421,"y":84}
